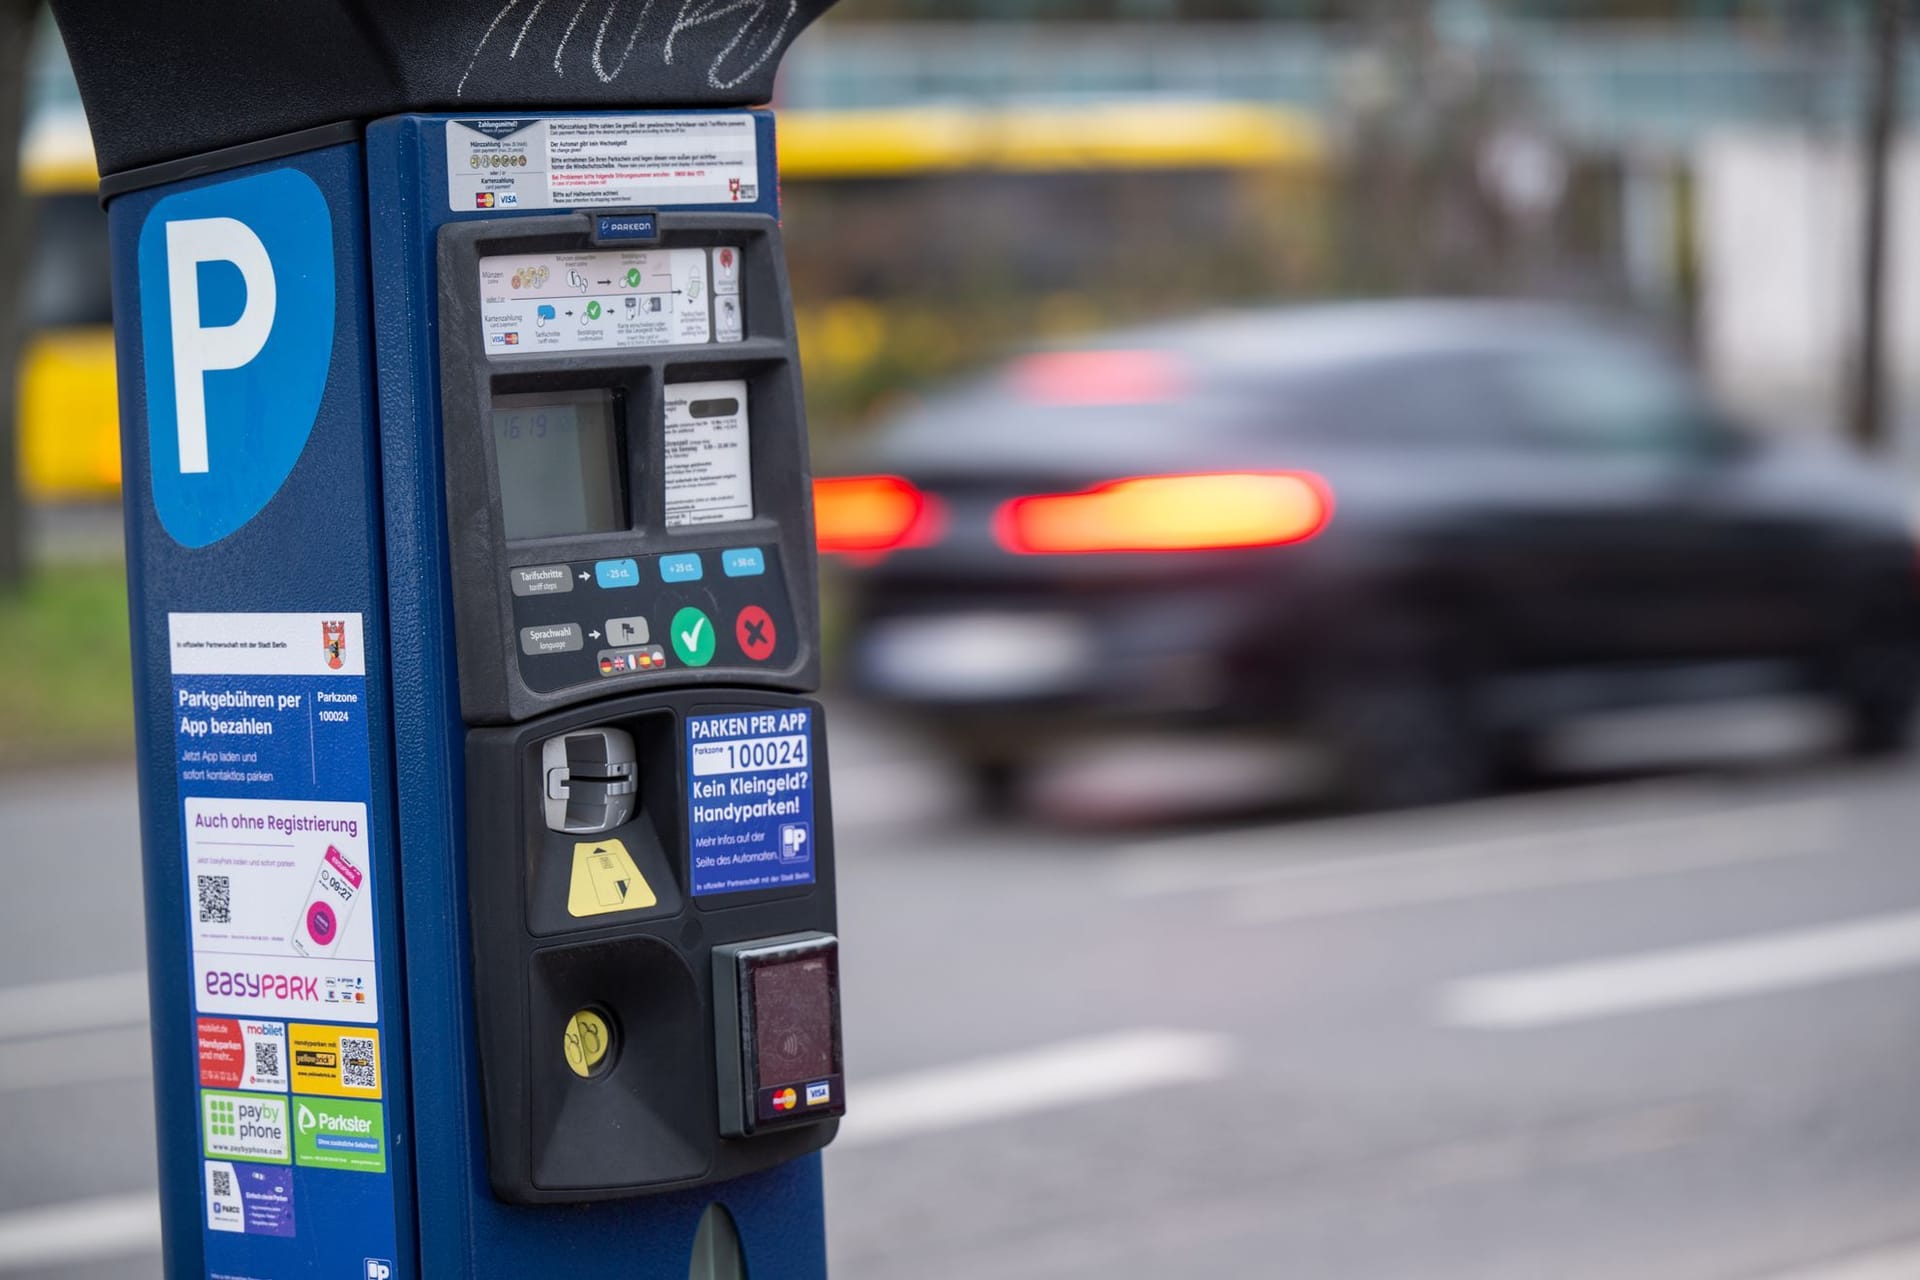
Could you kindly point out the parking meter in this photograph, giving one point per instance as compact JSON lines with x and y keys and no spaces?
{"x":487,"y":836}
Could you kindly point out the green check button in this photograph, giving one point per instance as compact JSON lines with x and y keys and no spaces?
{"x":692,"y":634}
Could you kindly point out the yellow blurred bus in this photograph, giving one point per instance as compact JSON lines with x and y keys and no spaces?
{"x":68,"y":413}
{"x":69,"y":434}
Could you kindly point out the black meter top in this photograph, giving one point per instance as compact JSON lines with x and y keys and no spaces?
{"x":628,"y":493}
{"x":163,"y":82}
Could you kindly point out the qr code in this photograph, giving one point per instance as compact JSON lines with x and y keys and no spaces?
{"x":216,"y":899}
{"x":222,"y":1183}
{"x":356,"y":1063}
{"x":266,"y":1059}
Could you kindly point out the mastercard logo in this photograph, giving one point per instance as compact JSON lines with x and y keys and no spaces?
{"x":785,"y":1099}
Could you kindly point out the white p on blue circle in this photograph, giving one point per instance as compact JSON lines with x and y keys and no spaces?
{"x":793,"y":842}
{"x":237,"y":319}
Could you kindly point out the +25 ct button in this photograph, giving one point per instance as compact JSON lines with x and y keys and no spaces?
{"x":755,"y":632}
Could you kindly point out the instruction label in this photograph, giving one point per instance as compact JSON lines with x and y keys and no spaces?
{"x":605,"y":880}
{"x":750,"y":800}
{"x":709,"y":450}
{"x":596,"y":301}
{"x":575,"y":162}
{"x":273,"y":761}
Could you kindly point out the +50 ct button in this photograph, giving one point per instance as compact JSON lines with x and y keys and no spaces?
{"x":743,"y":562}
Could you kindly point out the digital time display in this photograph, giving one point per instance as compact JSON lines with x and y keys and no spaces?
{"x":559,"y":462}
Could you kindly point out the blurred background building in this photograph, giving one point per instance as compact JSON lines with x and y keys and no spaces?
{"x":1566,"y":1033}
{"x":964,"y":177}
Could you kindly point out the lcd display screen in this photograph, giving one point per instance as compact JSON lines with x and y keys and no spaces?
{"x":558,"y":455}
{"x":794,"y":1020}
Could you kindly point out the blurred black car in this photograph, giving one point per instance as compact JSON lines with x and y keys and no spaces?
{"x":1419,"y":532}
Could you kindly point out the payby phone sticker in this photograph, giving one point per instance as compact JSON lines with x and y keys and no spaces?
{"x":576,"y":162}
{"x":606,"y":300}
{"x":273,"y":760}
{"x":750,"y":800}
{"x":709,"y":463}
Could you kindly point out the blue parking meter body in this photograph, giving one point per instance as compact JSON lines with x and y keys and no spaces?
{"x":488,"y":851}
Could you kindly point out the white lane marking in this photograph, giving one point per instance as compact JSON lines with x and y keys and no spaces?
{"x":1278,"y":853}
{"x":80,"y":1231}
{"x":76,"y":1004}
{"x":86,"y":1057}
{"x":1685,"y":975}
{"x":1068,"y":1074}
{"x":1622,"y":851}
{"x":1899,"y":1263}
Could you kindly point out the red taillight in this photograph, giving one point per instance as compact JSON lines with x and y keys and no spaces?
{"x":1169,"y":513}
{"x":868,"y":515}
{"x":1098,"y":377}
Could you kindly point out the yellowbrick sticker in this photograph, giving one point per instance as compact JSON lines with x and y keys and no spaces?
{"x":606,"y":880}
{"x":337,"y":1062}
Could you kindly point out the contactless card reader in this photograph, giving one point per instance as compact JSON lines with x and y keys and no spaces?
{"x":650,"y":852}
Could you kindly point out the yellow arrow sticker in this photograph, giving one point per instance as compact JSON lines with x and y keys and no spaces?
{"x":605,"y":880}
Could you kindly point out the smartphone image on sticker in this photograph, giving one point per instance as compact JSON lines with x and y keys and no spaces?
{"x":336,"y":887}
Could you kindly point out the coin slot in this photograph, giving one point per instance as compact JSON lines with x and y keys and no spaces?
{"x":588,"y":1043}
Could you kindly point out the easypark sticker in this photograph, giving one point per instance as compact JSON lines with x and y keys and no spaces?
{"x":340,"y":1062}
{"x":243,"y":1053}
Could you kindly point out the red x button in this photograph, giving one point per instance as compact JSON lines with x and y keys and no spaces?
{"x":754,"y":630}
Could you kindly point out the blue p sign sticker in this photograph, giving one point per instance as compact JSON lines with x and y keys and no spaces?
{"x":237,"y":311}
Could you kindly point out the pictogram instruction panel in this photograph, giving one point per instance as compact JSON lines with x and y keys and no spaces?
{"x":608,"y":300}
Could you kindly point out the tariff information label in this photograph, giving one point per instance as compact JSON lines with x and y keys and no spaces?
{"x":572,"y":162}
{"x":750,"y":800}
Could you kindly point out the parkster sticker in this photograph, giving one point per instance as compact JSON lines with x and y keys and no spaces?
{"x":331,"y":1134}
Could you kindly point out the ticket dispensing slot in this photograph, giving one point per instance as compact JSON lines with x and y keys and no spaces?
{"x":650,"y":856}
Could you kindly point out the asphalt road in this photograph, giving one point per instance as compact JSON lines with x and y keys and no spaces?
{"x":1641,"y":1028}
